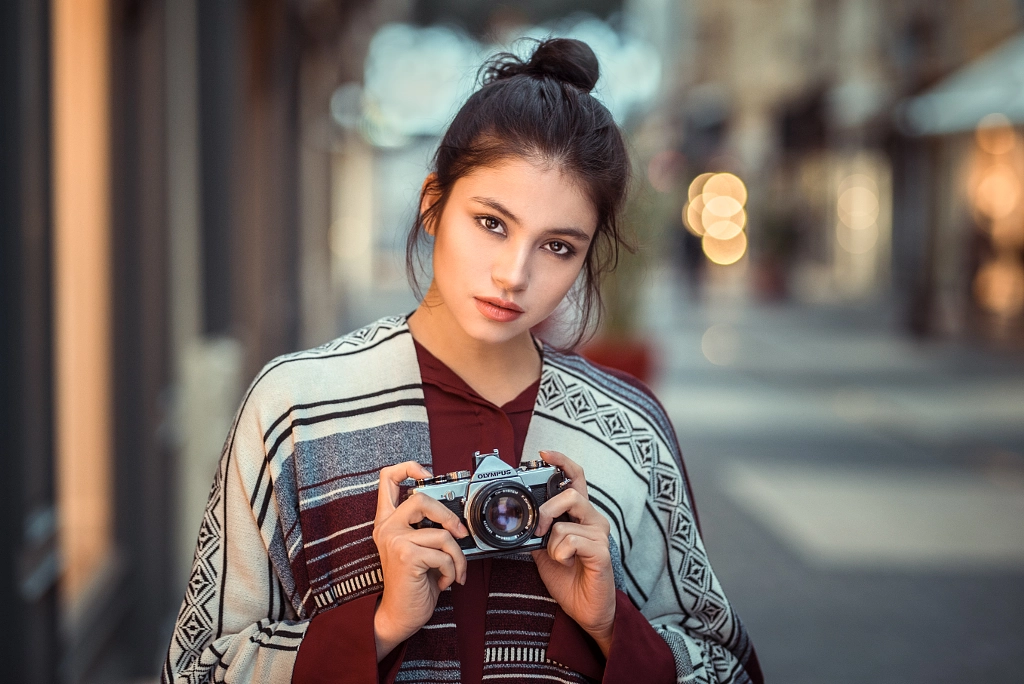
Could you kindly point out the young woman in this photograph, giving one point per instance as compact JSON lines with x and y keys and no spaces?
{"x":309,"y":565}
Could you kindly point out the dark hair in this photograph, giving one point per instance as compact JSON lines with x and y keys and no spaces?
{"x":540,"y":109}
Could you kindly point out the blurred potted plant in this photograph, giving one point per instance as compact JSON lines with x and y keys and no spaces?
{"x":780,"y":240}
{"x":620,"y":342}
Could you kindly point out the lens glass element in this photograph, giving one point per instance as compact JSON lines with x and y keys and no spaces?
{"x":506,"y":514}
{"x":502,"y":515}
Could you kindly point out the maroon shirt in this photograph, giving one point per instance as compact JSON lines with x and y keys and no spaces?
{"x":339,"y":644}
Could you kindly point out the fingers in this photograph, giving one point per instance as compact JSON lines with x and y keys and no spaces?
{"x":390,"y":478}
{"x":440,"y":540}
{"x":563,"y":529}
{"x":443,"y":564}
{"x":566,"y":546}
{"x":421,"y":549}
{"x":578,"y":507}
{"x":420,"y":507}
{"x":572,"y":470}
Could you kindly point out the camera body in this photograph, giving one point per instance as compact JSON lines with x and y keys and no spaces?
{"x":497,"y":503}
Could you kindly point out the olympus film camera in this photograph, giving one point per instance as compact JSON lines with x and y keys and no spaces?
{"x":497,"y":503}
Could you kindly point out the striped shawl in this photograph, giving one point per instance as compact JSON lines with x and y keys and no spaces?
{"x":287,"y":529}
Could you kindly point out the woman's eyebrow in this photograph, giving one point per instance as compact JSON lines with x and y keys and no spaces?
{"x":497,"y":206}
{"x":580,"y":235}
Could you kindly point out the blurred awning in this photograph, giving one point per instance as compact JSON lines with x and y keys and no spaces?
{"x":994,"y":84}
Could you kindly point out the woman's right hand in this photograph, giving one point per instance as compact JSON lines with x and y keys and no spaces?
{"x":418,"y":564}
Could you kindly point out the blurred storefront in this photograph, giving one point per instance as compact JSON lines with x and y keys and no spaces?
{"x":166,"y":179}
{"x":971,"y":120}
{"x":850,"y":200}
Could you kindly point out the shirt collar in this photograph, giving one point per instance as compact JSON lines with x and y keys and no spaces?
{"x":434,"y":372}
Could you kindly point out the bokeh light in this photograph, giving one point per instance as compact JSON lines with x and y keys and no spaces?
{"x":720,"y":345}
{"x":861,"y":180}
{"x":716,"y":213}
{"x":998,"y":191}
{"x":995,"y":134}
{"x":416,"y":77}
{"x":697,"y":186}
{"x":858,"y":208}
{"x":726,"y":185}
{"x":728,"y":228}
{"x":1007,"y":235}
{"x":722,"y":206}
{"x":692,"y":213}
{"x":857,"y":240}
{"x":725,"y":252}
{"x":999,"y":286}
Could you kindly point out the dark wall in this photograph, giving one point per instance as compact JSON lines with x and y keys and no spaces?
{"x":219,"y":24}
{"x":248,"y":100}
{"x":265,"y":231}
{"x":28,"y":554}
{"x":249,"y":71}
{"x":141,"y":368}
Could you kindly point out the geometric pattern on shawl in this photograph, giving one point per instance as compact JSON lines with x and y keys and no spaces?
{"x":706,"y":636}
{"x":209,"y":643}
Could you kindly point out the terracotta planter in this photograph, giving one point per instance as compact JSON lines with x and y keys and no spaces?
{"x":635,"y":357}
{"x":770,"y":281}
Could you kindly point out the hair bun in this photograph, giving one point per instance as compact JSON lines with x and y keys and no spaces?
{"x":568,"y":60}
{"x":564,"y":59}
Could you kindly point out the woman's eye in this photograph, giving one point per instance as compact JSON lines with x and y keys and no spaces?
{"x":560,"y":248}
{"x":491,"y":224}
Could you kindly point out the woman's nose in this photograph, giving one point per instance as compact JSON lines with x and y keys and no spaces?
{"x":511,"y":268}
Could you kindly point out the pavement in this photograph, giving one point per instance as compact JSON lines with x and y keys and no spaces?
{"x":861,"y":494}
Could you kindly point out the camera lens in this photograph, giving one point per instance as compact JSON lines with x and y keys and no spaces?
{"x":506,"y":514}
{"x":503,"y":515}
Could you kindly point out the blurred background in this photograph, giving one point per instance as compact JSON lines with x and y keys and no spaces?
{"x":828,"y":295}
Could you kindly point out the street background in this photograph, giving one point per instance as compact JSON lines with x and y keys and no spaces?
{"x":828,"y":296}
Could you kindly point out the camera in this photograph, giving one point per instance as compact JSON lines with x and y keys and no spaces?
{"x":497,"y":503}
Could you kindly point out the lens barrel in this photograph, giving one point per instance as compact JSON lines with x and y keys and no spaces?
{"x":503,"y":514}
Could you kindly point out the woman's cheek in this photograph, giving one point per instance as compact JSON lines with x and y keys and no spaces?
{"x":469,"y":247}
{"x":557,"y":283}
{"x":456,"y":255}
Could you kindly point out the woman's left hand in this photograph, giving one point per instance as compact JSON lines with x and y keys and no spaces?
{"x":576,"y":567}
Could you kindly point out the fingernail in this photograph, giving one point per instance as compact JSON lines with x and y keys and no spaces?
{"x":462,"y":531}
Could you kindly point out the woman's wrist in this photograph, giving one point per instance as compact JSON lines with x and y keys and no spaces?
{"x":604,"y":642}
{"x":604,"y":634}
{"x":604,"y":638}
{"x":385,"y":636}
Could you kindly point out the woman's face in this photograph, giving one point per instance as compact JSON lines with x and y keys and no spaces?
{"x":508,"y":246}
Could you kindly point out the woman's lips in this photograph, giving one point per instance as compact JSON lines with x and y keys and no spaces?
{"x":498,"y":309}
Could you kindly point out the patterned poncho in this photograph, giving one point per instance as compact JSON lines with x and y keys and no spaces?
{"x":287,"y":529}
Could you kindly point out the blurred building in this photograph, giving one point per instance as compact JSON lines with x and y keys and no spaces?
{"x":805,"y":99}
{"x":970,"y":121}
{"x":165,"y":204}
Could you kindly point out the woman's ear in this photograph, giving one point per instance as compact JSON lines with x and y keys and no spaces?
{"x":428,"y":197}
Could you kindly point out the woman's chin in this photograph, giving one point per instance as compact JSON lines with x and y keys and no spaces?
{"x":487,"y":331}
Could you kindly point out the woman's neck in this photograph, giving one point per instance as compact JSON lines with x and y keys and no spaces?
{"x":497,"y":372}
